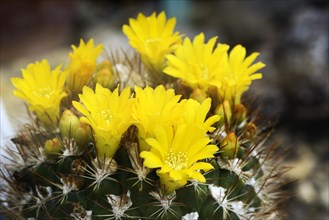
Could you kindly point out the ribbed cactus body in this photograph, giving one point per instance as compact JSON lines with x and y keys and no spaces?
{"x":76,"y":184}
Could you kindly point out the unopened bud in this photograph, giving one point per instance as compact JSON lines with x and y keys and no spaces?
{"x":68,"y":123}
{"x":250,"y":131}
{"x":52,"y":147}
{"x":71,"y":127}
{"x":230,"y":146}
{"x":82,"y":135}
{"x":105,"y":78}
{"x":239,"y":113}
{"x":198,"y":95}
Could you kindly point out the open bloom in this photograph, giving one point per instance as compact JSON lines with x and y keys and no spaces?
{"x":200,"y":66}
{"x":153,"y":37}
{"x":197,"y":63}
{"x":42,"y":88}
{"x":195,"y":114}
{"x":238,"y":73}
{"x":177,"y":152}
{"x":155,"y":107}
{"x":82,"y":65}
{"x":108,"y":114}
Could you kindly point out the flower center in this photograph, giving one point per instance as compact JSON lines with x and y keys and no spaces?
{"x":177,"y":160}
{"x":153,"y":44}
{"x":230,"y":79}
{"x":43,"y":92}
{"x":106,"y":115}
{"x":153,"y":41}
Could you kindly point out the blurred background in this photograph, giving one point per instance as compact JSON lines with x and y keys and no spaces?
{"x":291,"y":35}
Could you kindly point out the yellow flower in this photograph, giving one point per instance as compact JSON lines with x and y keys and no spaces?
{"x":239,"y":73}
{"x":42,"y":89}
{"x":200,"y":66}
{"x":177,"y":152}
{"x":153,"y":37}
{"x":108,"y":114}
{"x":196,"y":113}
{"x":155,"y":107}
{"x":196,"y":63}
{"x":82,"y":65}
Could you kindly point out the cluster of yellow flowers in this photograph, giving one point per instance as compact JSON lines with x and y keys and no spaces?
{"x":170,"y":138}
{"x":44,"y":88}
{"x":198,"y":64}
{"x":172,"y":131}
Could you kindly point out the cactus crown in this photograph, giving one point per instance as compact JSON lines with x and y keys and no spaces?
{"x":164,"y":138}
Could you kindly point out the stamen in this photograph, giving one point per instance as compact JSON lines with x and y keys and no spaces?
{"x":44,"y":92}
{"x":176,"y":161}
{"x":107,"y":115}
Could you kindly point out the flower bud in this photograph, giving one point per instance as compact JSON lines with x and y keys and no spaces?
{"x":82,"y":66}
{"x":198,"y":95}
{"x":105,"y":78}
{"x":230,"y":146}
{"x":82,"y":134}
{"x":68,"y":123}
{"x":250,"y":131}
{"x":52,"y":147}
{"x":239,"y":113}
{"x":71,"y":127}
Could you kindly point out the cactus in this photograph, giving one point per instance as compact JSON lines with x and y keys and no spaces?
{"x":163,"y":134}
